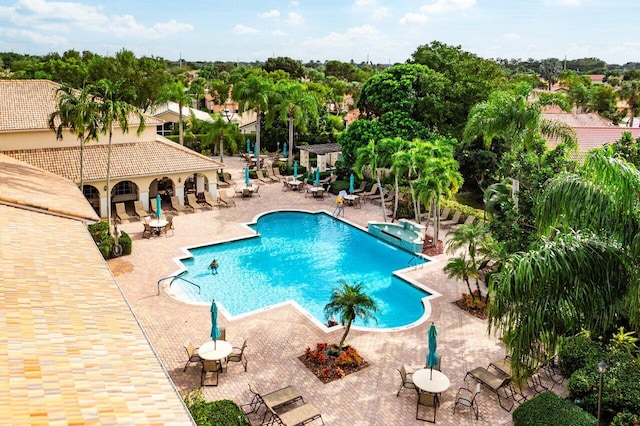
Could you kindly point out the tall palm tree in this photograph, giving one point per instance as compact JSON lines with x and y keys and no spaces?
{"x":349,"y":302}
{"x":297,"y":105}
{"x":176,"y":92}
{"x":582,"y":271}
{"x":468,"y":237}
{"x":221,"y":131}
{"x":630,"y":91}
{"x":112,"y":109}
{"x":253,"y":93}
{"x":76,"y":111}
{"x":369,"y":156}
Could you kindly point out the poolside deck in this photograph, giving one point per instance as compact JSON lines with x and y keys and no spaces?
{"x":277,"y":337}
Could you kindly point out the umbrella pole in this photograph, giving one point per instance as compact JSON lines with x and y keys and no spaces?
{"x":431,"y":376}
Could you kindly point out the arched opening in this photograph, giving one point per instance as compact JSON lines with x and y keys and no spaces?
{"x":92,"y":195}
{"x":164,"y":187}
{"x":124,"y":192}
{"x":196,"y":183}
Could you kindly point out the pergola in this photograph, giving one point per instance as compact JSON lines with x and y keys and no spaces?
{"x":327,"y":153}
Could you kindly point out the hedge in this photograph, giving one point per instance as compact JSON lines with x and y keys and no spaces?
{"x":549,"y":409}
{"x":100,"y":234}
{"x":464,"y":209}
{"x":217,"y":413}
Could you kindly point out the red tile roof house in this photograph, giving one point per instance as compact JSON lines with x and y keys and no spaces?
{"x":141,"y":165}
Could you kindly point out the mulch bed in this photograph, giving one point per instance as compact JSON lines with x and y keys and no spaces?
{"x":478,"y":313}
{"x":430,"y":249}
{"x":328,"y":368}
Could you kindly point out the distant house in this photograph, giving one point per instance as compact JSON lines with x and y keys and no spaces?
{"x":142,"y":166}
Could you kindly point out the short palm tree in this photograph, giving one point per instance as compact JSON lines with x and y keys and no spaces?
{"x":369,"y":155}
{"x":461,"y":268}
{"x":176,"y":92}
{"x":349,"y":302}
{"x":468,"y":237}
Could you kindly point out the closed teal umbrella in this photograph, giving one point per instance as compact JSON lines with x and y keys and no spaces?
{"x":246,"y":176}
{"x":255,"y":150}
{"x":295,"y":170}
{"x":248,"y":145}
{"x":158,"y":206}
{"x":284,"y":150}
{"x":432,"y":356}
{"x":215,"y":331}
{"x":351,"y":182}
{"x":318,"y":176}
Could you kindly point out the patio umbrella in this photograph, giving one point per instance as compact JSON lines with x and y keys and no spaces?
{"x":295,"y":170}
{"x":215,"y":331}
{"x":158,"y":206}
{"x":255,"y":150}
{"x":248,"y":145}
{"x":284,"y":150}
{"x":246,"y":176}
{"x":351,"y":181}
{"x":318,"y":176}
{"x":432,"y":356}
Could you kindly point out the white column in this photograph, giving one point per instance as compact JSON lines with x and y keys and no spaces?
{"x":144,"y":198}
{"x":180,"y":193}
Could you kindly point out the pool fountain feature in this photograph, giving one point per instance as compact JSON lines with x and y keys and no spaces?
{"x":404,"y":234}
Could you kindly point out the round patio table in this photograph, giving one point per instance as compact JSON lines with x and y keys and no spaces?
{"x":435,"y":383}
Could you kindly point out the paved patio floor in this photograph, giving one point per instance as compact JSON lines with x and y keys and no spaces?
{"x":277,"y":337}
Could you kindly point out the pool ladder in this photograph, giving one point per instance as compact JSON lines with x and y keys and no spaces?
{"x":411,"y":260}
{"x":173,"y":278}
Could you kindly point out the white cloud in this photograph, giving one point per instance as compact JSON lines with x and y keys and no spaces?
{"x":443,"y":6}
{"x":413,"y":18}
{"x":279,"y":33}
{"x":294,"y":4}
{"x":511,"y":36}
{"x":380,"y":13}
{"x":32,"y":36}
{"x":243,"y":29}
{"x":272,"y":14}
{"x":361,"y":3}
{"x":563,"y":2}
{"x":295,"y":18}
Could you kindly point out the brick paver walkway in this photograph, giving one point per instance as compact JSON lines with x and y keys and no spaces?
{"x":278,"y":336}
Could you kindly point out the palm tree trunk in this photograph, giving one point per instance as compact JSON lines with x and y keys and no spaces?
{"x":180,"y":127}
{"x":384,"y":209}
{"x":436,"y":221}
{"x":109,"y":179}
{"x":81,"y":164}
{"x":395,"y":204}
{"x":258,"y":138}
{"x":344,"y":336}
{"x":290,"y":156}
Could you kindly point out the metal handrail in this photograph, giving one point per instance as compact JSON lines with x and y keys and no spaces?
{"x":173,"y":278}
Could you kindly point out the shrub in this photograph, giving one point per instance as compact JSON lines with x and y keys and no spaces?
{"x":125,"y":242}
{"x":349,"y":357}
{"x":549,"y":409}
{"x":463,"y":208}
{"x":577,"y":352}
{"x":100,"y":234}
{"x":216,"y":413}
{"x":625,"y":419}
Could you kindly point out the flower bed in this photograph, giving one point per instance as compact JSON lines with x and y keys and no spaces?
{"x":328,"y":363}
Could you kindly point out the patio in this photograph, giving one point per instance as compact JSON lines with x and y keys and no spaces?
{"x":278,"y":336}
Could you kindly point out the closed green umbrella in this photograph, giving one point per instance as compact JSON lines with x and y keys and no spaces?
{"x":215,"y":331}
{"x":432,"y":356}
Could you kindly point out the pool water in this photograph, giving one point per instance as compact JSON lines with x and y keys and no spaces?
{"x":303,"y":257}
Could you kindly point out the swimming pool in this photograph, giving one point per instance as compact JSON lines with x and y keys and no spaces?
{"x":302,"y":257}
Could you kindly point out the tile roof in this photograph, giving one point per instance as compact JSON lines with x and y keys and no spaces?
{"x":590,"y":119}
{"x":321,"y":149}
{"x":593,"y":137}
{"x":27,"y":104}
{"x":172,"y":111}
{"x":149,"y":158}
{"x":24,"y":185}
{"x":71,"y":349}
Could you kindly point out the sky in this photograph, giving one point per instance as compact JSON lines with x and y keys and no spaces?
{"x":380,"y":31}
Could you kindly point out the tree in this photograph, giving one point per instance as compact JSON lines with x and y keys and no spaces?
{"x":112,"y":109}
{"x":369,"y":156}
{"x":581,"y":271}
{"x":253,"y":94}
{"x":550,"y":71}
{"x":290,"y":66}
{"x":630,"y":91}
{"x":461,"y":268}
{"x":350,"y":302}
{"x":77,"y":112}
{"x":468,"y":237}
{"x":176,"y":92}
{"x":295,"y":104}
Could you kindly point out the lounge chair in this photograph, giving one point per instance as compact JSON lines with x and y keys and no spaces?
{"x":406,"y":379}
{"x":276,"y":172}
{"x":227,"y":179}
{"x":498,"y":385}
{"x":300,"y":415}
{"x":193,"y":202}
{"x":271,"y":174}
{"x":221,"y":182}
{"x":140,"y":211}
{"x":175,"y":205}
{"x":361,"y":188}
{"x":121,"y":212}
{"x":453,"y":221}
{"x":371,"y":193}
{"x":275,"y":400}
{"x":387,"y":198}
{"x":224,"y":200}
{"x":208,"y":200}
{"x":468,"y":221}
{"x":262,"y":178}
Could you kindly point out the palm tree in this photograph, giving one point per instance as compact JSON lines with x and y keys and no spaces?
{"x":112,"y":109}
{"x":630,"y":91}
{"x":297,"y":105}
{"x":581,"y":273}
{"x":176,"y":92}
{"x":253,"y":93}
{"x":468,"y":237}
{"x":349,"y":302}
{"x":221,"y":131}
{"x":76,"y":111}
{"x":411,"y":161}
{"x":460,"y":268}
{"x":369,"y":156}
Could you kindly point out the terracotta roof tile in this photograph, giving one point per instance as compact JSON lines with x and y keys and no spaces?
{"x":24,"y":185}
{"x":593,"y":137}
{"x":127,"y":160}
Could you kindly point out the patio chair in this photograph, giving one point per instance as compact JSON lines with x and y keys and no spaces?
{"x":319,"y":194}
{"x":139,"y":210}
{"x":208,"y":199}
{"x":356,"y":203}
{"x":192,"y":353}
{"x":468,"y":221}
{"x":257,"y":190}
{"x":224,"y":200}
{"x":467,"y":398}
{"x":246,"y":192}
{"x":237,"y":355}
{"x":148,"y":231}
{"x":121,"y":212}
{"x":498,"y":385}
{"x":407,"y":382}
{"x":426,"y":399}
{"x":300,"y":415}
{"x":169,"y":226}
{"x":209,"y":366}
{"x":437,"y":367}
{"x":193,"y":202}
{"x":453,"y":221}
{"x":361,"y":188}
{"x":175,"y":205}
{"x":262,"y":178}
